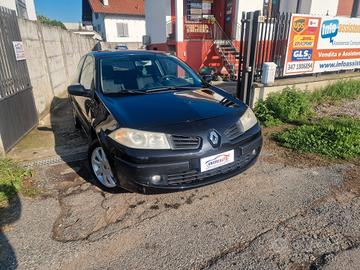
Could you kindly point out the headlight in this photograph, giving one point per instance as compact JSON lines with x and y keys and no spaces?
{"x":139,"y":139}
{"x":248,"y":120}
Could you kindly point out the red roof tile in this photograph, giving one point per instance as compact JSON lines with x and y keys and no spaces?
{"x":123,"y":7}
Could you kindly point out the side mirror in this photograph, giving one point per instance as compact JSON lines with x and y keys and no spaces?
{"x":207,"y":78}
{"x":78,"y":90}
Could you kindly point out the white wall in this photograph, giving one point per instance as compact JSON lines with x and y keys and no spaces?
{"x":313,"y":7}
{"x":157,"y":14}
{"x":321,"y":7}
{"x":8,"y":4}
{"x":136,"y":26}
{"x":30,"y":7}
{"x":245,"y":6}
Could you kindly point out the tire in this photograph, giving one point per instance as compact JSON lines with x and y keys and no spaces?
{"x":100,"y":167}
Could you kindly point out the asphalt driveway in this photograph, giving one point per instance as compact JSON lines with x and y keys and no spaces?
{"x":289,"y":211}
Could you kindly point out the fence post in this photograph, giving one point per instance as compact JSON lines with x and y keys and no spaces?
{"x":245,"y":87}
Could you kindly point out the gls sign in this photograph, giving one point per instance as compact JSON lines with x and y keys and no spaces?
{"x":302,"y":55}
{"x":330,"y":29}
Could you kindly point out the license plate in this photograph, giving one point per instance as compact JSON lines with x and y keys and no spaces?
{"x":216,"y":161}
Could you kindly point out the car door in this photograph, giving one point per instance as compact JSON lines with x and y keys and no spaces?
{"x":87,"y":80}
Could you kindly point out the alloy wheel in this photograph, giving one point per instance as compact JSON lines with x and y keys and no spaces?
{"x":101,"y":168}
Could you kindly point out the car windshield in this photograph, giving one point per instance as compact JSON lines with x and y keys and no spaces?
{"x":143,"y":73}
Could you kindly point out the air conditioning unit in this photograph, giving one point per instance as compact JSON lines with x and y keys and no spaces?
{"x":146,"y":40}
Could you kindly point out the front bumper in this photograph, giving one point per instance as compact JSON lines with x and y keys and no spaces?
{"x":180,"y":170}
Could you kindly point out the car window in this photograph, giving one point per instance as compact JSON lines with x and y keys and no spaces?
{"x":145,"y":72}
{"x":87,"y":74}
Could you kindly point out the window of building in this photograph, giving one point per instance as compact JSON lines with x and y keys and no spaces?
{"x":197,"y":10}
{"x":96,"y":16}
{"x":122,"y":29}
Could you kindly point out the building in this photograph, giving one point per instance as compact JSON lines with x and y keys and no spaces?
{"x":84,"y":30}
{"x":203,"y":32}
{"x":320,"y":7}
{"x":119,"y":21}
{"x":23,"y":8}
{"x":191,"y":29}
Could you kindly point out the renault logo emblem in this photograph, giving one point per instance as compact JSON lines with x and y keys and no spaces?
{"x":214,"y":138}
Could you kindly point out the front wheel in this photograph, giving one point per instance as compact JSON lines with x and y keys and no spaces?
{"x":100,"y":167}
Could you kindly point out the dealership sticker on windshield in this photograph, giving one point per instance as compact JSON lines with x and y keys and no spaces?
{"x":216,"y":161}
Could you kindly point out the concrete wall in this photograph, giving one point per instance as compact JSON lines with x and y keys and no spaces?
{"x":52,"y":55}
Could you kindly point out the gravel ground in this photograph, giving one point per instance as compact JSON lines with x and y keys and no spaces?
{"x":289,"y":211}
{"x":349,"y":108}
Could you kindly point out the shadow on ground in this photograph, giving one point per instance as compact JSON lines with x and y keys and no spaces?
{"x":9,"y":214}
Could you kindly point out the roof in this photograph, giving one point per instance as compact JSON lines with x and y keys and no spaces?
{"x":104,"y":54}
{"x":121,"y":7}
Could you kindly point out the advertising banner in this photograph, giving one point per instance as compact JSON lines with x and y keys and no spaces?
{"x":322,"y":44}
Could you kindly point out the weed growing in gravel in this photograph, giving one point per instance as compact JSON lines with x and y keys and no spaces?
{"x":11,"y":181}
{"x":335,"y":138}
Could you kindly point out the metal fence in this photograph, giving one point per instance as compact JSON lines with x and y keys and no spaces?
{"x":18,"y":114}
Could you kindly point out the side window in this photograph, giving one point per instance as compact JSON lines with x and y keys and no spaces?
{"x":87,"y":74}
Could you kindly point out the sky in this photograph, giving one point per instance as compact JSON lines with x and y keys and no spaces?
{"x":62,"y":10}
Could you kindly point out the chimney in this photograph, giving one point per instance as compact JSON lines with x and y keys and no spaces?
{"x":105,"y":2}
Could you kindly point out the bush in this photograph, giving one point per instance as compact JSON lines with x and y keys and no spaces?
{"x":289,"y":106}
{"x":11,"y":181}
{"x":335,"y":138}
{"x":46,"y":20}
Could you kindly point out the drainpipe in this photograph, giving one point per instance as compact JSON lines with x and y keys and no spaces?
{"x":355,"y":9}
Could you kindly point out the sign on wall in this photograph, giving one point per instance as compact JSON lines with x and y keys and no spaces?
{"x":322,"y":44}
{"x":19,"y":50}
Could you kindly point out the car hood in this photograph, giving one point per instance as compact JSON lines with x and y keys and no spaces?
{"x":171,"y":107}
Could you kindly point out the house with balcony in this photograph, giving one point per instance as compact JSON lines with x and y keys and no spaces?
{"x":207,"y":32}
{"x":117,"y":21}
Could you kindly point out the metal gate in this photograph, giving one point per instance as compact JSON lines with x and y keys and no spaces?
{"x":262,"y":39}
{"x":18,"y":113}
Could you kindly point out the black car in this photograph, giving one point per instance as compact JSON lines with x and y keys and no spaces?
{"x":155,"y":125}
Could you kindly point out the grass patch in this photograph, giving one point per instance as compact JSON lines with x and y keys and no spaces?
{"x":335,"y":138}
{"x":12,"y":181}
{"x":295,"y":106}
{"x":339,"y":91}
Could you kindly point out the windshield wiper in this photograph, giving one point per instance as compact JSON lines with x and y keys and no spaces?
{"x":170,"y":88}
{"x":129,"y":91}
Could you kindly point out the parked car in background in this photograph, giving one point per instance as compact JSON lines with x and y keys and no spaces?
{"x":121,"y":47}
{"x":154,"y":125}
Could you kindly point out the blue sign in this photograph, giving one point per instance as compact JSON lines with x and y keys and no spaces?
{"x":302,"y":55}
{"x":330,"y":29}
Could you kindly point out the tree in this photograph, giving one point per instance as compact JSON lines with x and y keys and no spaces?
{"x":48,"y":21}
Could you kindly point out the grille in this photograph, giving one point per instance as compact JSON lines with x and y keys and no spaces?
{"x":233,"y":133}
{"x":196,"y":176}
{"x":185,"y":143}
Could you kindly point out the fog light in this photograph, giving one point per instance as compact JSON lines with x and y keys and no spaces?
{"x":155,"y":179}
{"x":254,"y":152}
